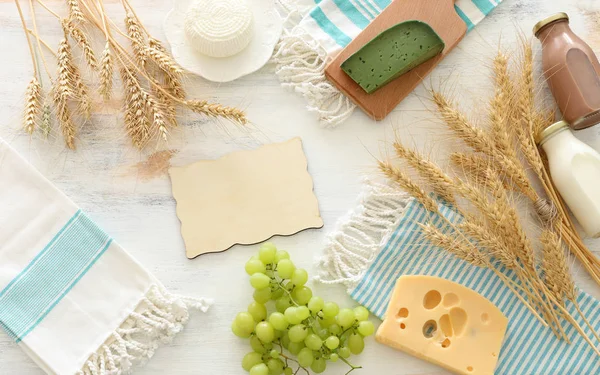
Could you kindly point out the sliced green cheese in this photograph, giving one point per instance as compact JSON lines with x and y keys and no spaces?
{"x":392,"y":53}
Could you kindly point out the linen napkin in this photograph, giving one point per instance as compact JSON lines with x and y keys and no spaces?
{"x":381,"y":241}
{"x":71,"y":297}
{"x":318,"y":29}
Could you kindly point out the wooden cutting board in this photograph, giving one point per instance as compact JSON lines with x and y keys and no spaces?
{"x":439,"y":14}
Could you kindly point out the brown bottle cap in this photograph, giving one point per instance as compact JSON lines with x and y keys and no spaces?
{"x":555,"y":17}
{"x":549,"y":131}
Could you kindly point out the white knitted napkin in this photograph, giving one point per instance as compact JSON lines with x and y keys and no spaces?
{"x":72,"y":298}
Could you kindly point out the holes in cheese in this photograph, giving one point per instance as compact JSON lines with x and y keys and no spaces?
{"x":455,"y":328}
{"x":402,"y":313}
{"x":432,"y":299}
{"x":392,"y":53}
{"x":451,"y":299}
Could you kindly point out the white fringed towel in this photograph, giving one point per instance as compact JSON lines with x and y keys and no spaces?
{"x":72,"y":298}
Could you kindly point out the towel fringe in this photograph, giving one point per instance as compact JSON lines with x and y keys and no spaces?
{"x":361,"y":235}
{"x":159,"y":317}
{"x":301,"y":63}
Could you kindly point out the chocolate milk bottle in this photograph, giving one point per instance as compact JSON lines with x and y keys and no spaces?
{"x":572,"y":71}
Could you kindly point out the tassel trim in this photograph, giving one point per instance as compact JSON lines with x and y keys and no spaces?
{"x":159,"y":317}
{"x":360,"y":236}
{"x":300,"y":65}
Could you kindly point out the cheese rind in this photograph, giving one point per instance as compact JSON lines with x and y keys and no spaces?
{"x":392,"y":53}
{"x":462,"y":332}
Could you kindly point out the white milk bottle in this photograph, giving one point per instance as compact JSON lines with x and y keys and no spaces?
{"x":575,"y":171}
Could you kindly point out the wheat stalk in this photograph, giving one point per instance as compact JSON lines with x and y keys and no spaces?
{"x":106,"y":73}
{"x":33,"y":95}
{"x":45,"y":124}
{"x":75,"y":13}
{"x":501,"y":106}
{"x":136,"y":118}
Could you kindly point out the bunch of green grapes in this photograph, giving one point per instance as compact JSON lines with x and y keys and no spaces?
{"x":310,"y":330}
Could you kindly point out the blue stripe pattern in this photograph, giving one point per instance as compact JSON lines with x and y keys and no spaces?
{"x":361,"y":12}
{"x":35,"y":291}
{"x":529,"y":347}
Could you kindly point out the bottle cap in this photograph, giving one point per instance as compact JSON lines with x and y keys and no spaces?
{"x":555,"y":17}
{"x":549,"y":131}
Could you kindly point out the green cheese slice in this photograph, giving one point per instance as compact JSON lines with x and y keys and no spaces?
{"x":392,"y":53}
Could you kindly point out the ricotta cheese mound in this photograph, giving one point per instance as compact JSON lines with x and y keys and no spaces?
{"x":219,"y":28}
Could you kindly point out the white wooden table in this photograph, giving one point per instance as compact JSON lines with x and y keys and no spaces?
{"x":141,"y":214}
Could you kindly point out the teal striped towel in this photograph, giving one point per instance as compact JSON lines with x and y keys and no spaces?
{"x":317,"y":29}
{"x":381,"y":241}
{"x":70,"y":296}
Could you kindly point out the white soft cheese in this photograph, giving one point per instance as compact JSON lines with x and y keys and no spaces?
{"x":219,"y":28}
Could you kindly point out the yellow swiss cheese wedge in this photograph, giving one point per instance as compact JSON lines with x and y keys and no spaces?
{"x":444,"y":323}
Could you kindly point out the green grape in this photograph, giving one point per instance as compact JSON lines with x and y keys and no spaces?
{"x":319,"y":365}
{"x":366,"y":328}
{"x":257,"y":345}
{"x":344,"y":352}
{"x":302,"y":313}
{"x":285,"y":340}
{"x":315,"y":304}
{"x":245,"y":322}
{"x":313,"y":342}
{"x":277,"y":293}
{"x":288,"y":371}
{"x":260,"y":281}
{"x":285,"y":268}
{"x":265,"y":332}
{"x":255,"y":266}
{"x":295,"y":347}
{"x":278,"y":321}
{"x":250,"y":360}
{"x":322,"y":333}
{"x":258,"y":311}
{"x":332,"y":342}
{"x":275,"y":366}
{"x":361,"y":314}
{"x":302,"y":294}
{"x":298,"y":333}
{"x":274,"y":354}
{"x":356,"y":344}
{"x":282,"y":304}
{"x":262,"y":295}
{"x":267,"y":253}
{"x":345,"y":318}
{"x":239,"y":332}
{"x":260,"y":369}
{"x":305,"y":357}
{"x":300,"y":277}
{"x":330,"y":309}
{"x":278,"y":333}
{"x":281,"y":254}
{"x":335,"y":329}
{"x":334,"y":357}
{"x":291,"y":315}
{"x":327,"y":322}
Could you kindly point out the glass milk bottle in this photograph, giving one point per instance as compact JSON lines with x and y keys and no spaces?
{"x":572,"y":71}
{"x":575,"y":171}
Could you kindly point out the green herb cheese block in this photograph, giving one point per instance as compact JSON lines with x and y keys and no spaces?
{"x":392,"y":53}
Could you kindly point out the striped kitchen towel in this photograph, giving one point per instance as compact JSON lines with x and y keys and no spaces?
{"x":71,"y":297}
{"x":317,"y":29}
{"x":381,"y":241}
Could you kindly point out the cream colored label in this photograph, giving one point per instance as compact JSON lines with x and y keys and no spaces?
{"x":444,"y":323}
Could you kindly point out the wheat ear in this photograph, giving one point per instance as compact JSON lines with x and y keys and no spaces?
{"x":136,"y":35}
{"x":106,"y":73}
{"x":63,"y":92}
{"x":501,"y":106}
{"x":164,"y":61}
{"x":403,"y":181}
{"x":45,"y":124}
{"x":75,"y":13}
{"x":442,"y":184}
{"x":83,"y":42}
{"x":136,"y":114}
{"x":216,"y":110}
{"x":33,"y":95}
